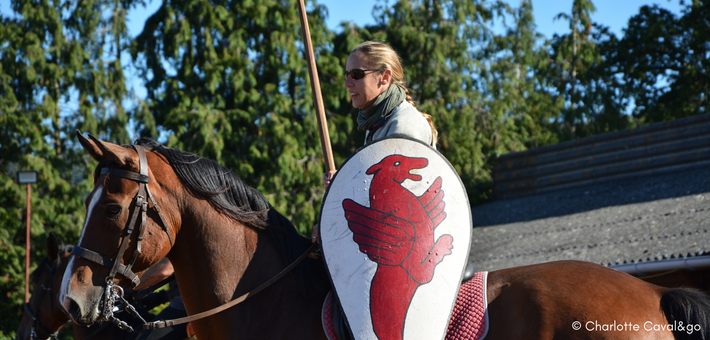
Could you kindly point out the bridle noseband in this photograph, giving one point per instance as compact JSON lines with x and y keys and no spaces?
{"x":36,"y":324}
{"x":140,"y":207}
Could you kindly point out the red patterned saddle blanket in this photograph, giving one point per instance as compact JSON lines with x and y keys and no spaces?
{"x":469,"y":320}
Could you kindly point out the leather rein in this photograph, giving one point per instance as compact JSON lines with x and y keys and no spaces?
{"x":114,"y":293}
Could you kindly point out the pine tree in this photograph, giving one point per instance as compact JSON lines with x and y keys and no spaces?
{"x":227,"y":80}
{"x":52,"y":53}
{"x":513,"y":72}
{"x":573,"y":55}
{"x":664,"y":59}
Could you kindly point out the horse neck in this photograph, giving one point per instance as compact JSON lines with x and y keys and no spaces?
{"x":210,"y":256}
{"x":217,"y":260}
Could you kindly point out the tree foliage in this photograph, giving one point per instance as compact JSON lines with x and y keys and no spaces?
{"x":665,"y":62}
{"x":227,"y":80}
{"x":517,"y":89}
{"x":55,"y":76}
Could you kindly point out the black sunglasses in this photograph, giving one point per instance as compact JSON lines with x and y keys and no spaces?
{"x":358,"y":73}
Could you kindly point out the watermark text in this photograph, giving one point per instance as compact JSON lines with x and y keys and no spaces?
{"x":676,"y":326}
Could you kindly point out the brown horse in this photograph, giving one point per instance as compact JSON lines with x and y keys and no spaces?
{"x":228,"y":240}
{"x":42,"y":317}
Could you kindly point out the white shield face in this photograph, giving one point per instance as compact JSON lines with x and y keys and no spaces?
{"x":395,"y":232}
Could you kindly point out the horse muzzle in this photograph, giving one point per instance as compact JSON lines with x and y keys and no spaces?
{"x":79,"y":298}
{"x":82,"y":311}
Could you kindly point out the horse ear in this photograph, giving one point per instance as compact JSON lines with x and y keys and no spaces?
{"x":100,"y":150}
{"x":89,"y":146}
{"x":52,"y":248}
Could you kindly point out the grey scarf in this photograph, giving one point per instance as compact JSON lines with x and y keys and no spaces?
{"x":383,"y":105}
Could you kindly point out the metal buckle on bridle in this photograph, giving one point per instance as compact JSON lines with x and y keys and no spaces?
{"x":112,"y":293}
{"x":114,"y":302}
{"x":34,"y":335}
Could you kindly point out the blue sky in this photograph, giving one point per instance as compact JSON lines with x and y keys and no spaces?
{"x":612,"y":13}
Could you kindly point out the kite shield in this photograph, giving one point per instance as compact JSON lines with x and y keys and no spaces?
{"x":395,"y":229}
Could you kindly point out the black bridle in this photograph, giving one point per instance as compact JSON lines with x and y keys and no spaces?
{"x":112,"y":291}
{"x":36,"y":324}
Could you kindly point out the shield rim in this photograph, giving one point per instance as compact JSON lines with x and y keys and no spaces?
{"x":468,"y":203}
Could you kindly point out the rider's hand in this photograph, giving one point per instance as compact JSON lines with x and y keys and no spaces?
{"x":327,"y":177}
{"x":314,"y":233}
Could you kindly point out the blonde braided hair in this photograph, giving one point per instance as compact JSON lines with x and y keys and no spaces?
{"x":379,"y":55}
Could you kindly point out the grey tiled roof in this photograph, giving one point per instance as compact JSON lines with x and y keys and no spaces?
{"x":639,"y":220}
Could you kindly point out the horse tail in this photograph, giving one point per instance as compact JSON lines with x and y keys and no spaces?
{"x":688,"y":310}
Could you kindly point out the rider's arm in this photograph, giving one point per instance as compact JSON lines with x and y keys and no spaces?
{"x":155,"y":274}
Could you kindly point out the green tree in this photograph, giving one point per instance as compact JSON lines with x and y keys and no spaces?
{"x":33,"y":80}
{"x":51,"y":53}
{"x":573,"y":54}
{"x":665,"y":61}
{"x":227,"y":80}
{"x":585,"y":78}
{"x":514,"y":68}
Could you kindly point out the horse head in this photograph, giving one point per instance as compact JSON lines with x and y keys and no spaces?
{"x":222,"y":236}
{"x":124,"y":231}
{"x":42,"y":318}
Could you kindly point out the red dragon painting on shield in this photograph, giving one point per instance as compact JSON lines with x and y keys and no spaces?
{"x":397,"y":232}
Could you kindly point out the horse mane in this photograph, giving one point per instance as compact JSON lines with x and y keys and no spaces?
{"x":228,"y":194}
{"x":206,"y":179}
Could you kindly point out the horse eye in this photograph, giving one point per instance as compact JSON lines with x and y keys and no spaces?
{"x":113,"y":210}
{"x":397,"y":163}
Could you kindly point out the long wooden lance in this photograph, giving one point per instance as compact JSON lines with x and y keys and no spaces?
{"x":315,"y":86}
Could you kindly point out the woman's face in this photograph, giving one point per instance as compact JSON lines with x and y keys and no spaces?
{"x":363,"y":92}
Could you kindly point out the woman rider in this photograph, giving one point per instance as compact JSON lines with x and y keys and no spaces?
{"x":375,"y":81}
{"x":374,"y":78}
